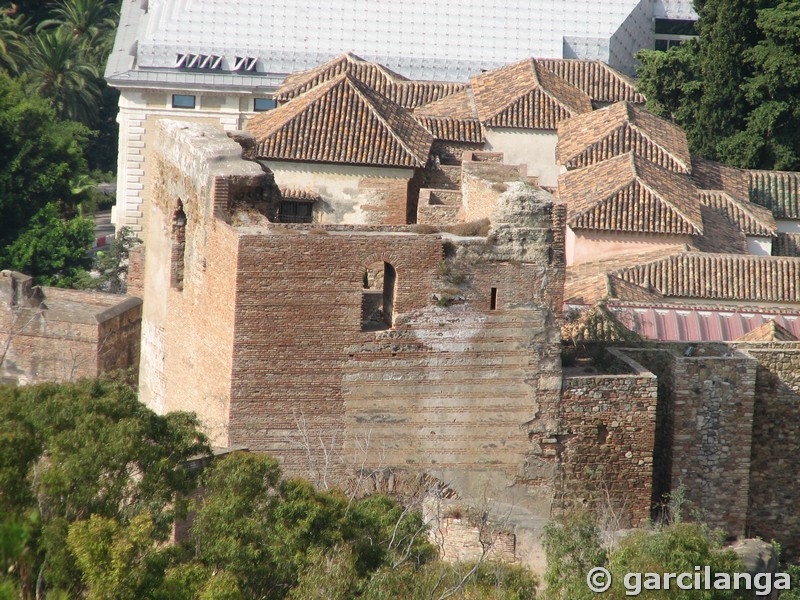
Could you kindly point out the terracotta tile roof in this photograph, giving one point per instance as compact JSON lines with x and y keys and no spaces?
{"x":586,"y":283}
{"x":595,"y":78}
{"x":779,"y":191}
{"x":622,"y":127}
{"x":453,"y":130}
{"x":768,"y":332}
{"x":725,"y":277}
{"x":297,"y":194}
{"x":342,"y":121}
{"x":786,"y":244}
{"x":624,"y":290}
{"x":397,"y":88}
{"x":526,"y":95}
{"x":630,"y":194}
{"x":750,"y":218}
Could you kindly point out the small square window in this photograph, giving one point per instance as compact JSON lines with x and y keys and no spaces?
{"x":183,"y":101}
{"x":262,"y":104}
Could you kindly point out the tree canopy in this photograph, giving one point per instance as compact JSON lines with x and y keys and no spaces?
{"x":736,"y":89}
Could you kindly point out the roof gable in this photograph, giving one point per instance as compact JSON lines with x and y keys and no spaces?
{"x":630,"y":194}
{"x":395,"y":87}
{"x":342,"y":121}
{"x":622,"y":127}
{"x":526,"y":95}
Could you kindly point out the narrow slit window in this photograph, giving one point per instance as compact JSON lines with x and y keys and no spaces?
{"x":493,"y":300}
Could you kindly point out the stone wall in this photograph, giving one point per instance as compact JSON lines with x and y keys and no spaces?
{"x":775,"y":458}
{"x":713,"y":423}
{"x":605,"y":444}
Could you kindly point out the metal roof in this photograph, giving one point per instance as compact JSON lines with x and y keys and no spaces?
{"x":422,"y":39}
{"x":699,"y":323}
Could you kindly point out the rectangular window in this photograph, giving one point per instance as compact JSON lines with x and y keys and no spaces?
{"x":183,"y":101}
{"x":493,"y":300}
{"x":262,"y":104}
{"x":296,"y":212}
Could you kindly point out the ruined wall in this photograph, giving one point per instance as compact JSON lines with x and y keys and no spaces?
{"x":190,"y":279}
{"x":775,"y":460}
{"x":44,"y":350}
{"x":605,"y":444}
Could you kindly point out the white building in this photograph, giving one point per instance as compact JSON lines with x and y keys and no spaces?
{"x":219,"y":60}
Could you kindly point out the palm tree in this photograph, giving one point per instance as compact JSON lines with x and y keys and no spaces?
{"x":57,"y":68}
{"x":86,"y":19}
{"x":13,"y":31}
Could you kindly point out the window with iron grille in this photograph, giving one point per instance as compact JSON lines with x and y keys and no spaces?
{"x":295,"y":212}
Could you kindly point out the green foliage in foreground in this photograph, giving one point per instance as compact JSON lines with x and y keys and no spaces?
{"x":69,"y":452}
{"x":92,"y":482}
{"x":573,"y":548}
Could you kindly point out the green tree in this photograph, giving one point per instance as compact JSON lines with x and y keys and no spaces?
{"x":51,"y":249}
{"x":735,"y":90}
{"x":42,"y":156}
{"x":13,"y":32}
{"x":674,"y":549}
{"x":769,"y":138}
{"x":111,"y":266}
{"x":85,"y":19}
{"x":572,"y":546}
{"x":90,"y":448}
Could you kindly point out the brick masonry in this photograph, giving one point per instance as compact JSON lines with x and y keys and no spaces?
{"x":265,"y":340}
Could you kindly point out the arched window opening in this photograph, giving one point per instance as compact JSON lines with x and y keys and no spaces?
{"x":178,"y":251}
{"x":377,"y":301}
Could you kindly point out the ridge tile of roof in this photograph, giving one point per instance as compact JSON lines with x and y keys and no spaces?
{"x":342,"y":121}
{"x":526,"y":95}
{"x":595,"y":78}
{"x":398,"y":89}
{"x":619,"y":128}
{"x":724,"y":277}
{"x":770,"y":331}
{"x":630,"y":194}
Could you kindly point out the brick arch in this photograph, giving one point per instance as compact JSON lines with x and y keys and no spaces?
{"x":386,"y":257}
